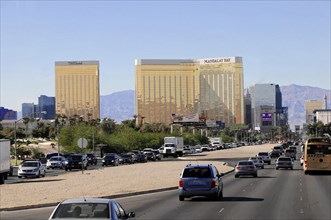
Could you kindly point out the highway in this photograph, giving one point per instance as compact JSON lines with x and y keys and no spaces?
{"x":275,"y":194}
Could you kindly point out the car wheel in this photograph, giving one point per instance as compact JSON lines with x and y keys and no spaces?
{"x":255,"y":175}
{"x":291,"y":168}
{"x":66,"y":169}
{"x":236,"y":176}
{"x":85,"y":168}
{"x":19,"y":177}
{"x":44,"y":174}
{"x":262,"y":167}
{"x":38,"y":174}
{"x":277,"y":168}
{"x":181,"y":198}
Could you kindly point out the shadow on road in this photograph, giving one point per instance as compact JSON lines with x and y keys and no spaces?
{"x":36,"y":181}
{"x":242,"y":199}
{"x":266,"y":177}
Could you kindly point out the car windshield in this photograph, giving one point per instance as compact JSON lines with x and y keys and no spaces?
{"x":75,"y":157}
{"x":200,"y":172}
{"x":263,"y":154}
{"x":110,"y":157}
{"x":82,"y":210}
{"x":30,"y":164}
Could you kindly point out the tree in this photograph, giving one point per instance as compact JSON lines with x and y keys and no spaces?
{"x":108,"y":126}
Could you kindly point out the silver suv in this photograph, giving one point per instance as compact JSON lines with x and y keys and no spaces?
{"x":265,"y":156}
{"x":200,"y":180}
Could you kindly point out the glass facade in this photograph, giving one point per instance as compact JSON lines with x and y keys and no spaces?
{"x":77,"y":89}
{"x":47,"y":104}
{"x":213,"y":87}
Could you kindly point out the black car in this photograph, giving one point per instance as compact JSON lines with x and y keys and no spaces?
{"x":274,"y":153}
{"x":140,"y":156}
{"x":127,"y":158}
{"x":157,"y":154}
{"x":92,"y":159}
{"x":111,"y":159}
{"x":77,"y":161}
{"x":150,"y":155}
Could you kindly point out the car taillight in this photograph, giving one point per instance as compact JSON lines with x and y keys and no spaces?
{"x":180,"y":183}
{"x":238,"y":167}
{"x":214,"y":183}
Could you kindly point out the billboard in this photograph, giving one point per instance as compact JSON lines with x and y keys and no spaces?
{"x":266,"y":116}
{"x":189,"y":120}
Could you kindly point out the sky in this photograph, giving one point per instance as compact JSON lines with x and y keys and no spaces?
{"x":282,"y":42}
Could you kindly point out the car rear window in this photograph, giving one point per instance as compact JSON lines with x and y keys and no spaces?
{"x":200,"y":172}
{"x":284,"y":159}
{"x":289,"y":151}
{"x":245,"y":163}
{"x":263,"y":154}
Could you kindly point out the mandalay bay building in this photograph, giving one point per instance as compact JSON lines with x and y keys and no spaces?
{"x":77,"y":89}
{"x":211,"y":87}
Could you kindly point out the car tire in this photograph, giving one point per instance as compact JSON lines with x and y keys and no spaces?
{"x":66,"y":169}
{"x":291,"y":168}
{"x":255,"y":175}
{"x":277,"y":168}
{"x":181,"y":198}
{"x":19,"y":177}
{"x":39,"y":175}
{"x":262,"y":167}
{"x":236,"y":176}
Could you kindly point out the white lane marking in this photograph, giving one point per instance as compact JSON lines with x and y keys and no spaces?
{"x":221,"y":210}
{"x":300,"y":184}
{"x":300,"y":198}
{"x":300,"y":190}
{"x":244,"y":190}
{"x":301,"y":211}
{"x":252,"y":184}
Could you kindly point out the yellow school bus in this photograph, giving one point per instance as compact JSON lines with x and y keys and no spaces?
{"x":317,"y":155}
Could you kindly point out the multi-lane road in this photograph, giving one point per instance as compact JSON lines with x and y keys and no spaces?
{"x":275,"y":194}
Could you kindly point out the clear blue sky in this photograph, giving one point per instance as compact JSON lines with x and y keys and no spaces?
{"x":283,"y":42}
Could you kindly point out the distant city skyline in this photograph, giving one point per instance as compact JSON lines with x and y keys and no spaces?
{"x":281,"y":42}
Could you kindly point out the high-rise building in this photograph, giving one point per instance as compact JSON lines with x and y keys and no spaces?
{"x":47,"y":106}
{"x":267,"y":109}
{"x":7,"y":114}
{"x":310,"y":106}
{"x":29,"y":110}
{"x":211,"y":87}
{"x":77,"y":89}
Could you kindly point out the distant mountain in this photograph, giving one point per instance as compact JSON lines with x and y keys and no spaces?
{"x":295,"y":96}
{"x":120,"y":105}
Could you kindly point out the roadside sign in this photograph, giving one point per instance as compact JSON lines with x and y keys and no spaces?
{"x":82,"y":143}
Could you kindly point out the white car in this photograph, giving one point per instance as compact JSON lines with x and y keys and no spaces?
{"x":90,"y":208}
{"x":258,"y":161}
{"x":56,"y":162}
{"x":32,"y":168}
{"x":302,"y":160}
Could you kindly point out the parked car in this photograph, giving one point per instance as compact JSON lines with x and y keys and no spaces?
{"x":90,"y":208}
{"x":92,"y":159}
{"x":150,"y":155}
{"x":284,"y":162}
{"x":140,"y":156}
{"x":245,"y":167}
{"x":200,"y":180}
{"x":48,"y":156}
{"x":111,"y":159}
{"x":56,"y":162}
{"x":127,"y":158}
{"x":77,"y":161}
{"x":31,"y":168}
{"x":265,"y":156}
{"x":157,"y":153}
{"x":258,"y":162}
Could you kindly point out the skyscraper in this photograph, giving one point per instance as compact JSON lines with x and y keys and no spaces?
{"x":267,"y":109}
{"x":212,"y":87}
{"x":77,"y":89}
{"x":47,"y":105}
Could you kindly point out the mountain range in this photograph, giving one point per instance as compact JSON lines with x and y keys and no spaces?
{"x":120,"y":105}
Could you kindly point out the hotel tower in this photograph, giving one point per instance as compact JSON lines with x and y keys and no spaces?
{"x":77,"y":89}
{"x":211,"y":87}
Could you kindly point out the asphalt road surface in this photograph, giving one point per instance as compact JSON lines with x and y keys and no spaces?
{"x":275,"y":194}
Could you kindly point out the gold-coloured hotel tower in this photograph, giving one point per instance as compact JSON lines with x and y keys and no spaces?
{"x":77,"y":89}
{"x":213,"y":87}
